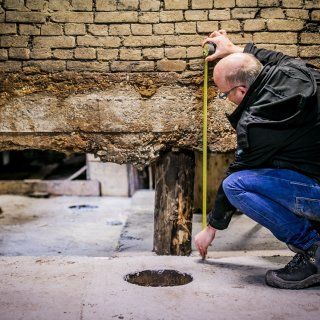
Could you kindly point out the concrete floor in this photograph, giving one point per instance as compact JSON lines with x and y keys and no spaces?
{"x":62,"y":263}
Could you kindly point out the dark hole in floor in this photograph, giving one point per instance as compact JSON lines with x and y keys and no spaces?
{"x":83,"y":207}
{"x":158,"y":278}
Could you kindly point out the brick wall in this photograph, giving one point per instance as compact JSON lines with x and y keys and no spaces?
{"x":146,"y":35}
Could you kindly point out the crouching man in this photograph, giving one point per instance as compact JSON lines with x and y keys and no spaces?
{"x":275,"y":178}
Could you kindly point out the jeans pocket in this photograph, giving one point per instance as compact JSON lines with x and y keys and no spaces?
{"x":308,"y":208}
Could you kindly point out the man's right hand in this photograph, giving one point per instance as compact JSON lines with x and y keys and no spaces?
{"x":224,"y":45}
{"x":203,"y":240}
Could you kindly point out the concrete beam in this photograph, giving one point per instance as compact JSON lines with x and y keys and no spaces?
{"x":119,"y":117}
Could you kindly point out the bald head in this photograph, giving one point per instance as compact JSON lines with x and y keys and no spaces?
{"x":237,"y":69}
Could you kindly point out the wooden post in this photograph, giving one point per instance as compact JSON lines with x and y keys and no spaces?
{"x":174,"y":182}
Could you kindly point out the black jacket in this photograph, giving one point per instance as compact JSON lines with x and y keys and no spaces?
{"x":277,"y":123}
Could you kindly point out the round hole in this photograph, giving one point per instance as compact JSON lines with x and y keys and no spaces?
{"x":158,"y":278}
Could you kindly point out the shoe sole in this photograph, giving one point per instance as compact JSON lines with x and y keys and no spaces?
{"x":274,"y":281}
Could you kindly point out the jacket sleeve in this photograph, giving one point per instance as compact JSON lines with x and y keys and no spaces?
{"x":263,"y":55}
{"x":222,"y":212}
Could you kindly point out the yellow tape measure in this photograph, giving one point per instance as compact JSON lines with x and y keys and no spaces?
{"x":204,"y":145}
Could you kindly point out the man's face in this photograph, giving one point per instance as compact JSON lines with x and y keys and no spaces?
{"x":228,"y":91}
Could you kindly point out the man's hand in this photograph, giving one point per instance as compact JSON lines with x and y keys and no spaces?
{"x":203,"y":240}
{"x":224,"y":45}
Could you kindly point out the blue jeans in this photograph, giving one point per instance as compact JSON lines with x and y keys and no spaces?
{"x":284,"y":201}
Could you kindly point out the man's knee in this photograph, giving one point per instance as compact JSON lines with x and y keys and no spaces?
{"x":237,"y":182}
{"x":232,"y":183}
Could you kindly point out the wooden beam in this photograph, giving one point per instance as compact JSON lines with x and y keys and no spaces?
{"x":174,"y":183}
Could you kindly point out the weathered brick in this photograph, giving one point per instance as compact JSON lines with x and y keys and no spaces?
{"x":3,"y":54}
{"x":288,"y":50}
{"x":183,"y":40}
{"x":279,"y":37}
{"x":107,"y":54}
{"x":119,"y":29}
{"x":219,"y":14}
{"x":2,"y":17}
{"x":297,"y":14}
{"x":10,"y":66}
{"x":91,"y":41}
{"x":171,"y":65}
{"x":28,"y":29}
{"x":130,"y":54}
{"x":98,"y":66}
{"x":315,"y":15}
{"x":196,"y":64}
{"x":129,"y":66}
{"x":194,"y":52}
{"x":149,"y":17}
{"x":98,"y":30}
{"x":14,"y":41}
{"x":207,"y":26}
{"x":175,"y":53}
{"x":149,"y":5}
{"x":312,"y":4}
{"x":163,"y":28}
{"x":267,"y":46}
{"x":175,"y":4}
{"x":231,"y":25}
{"x":244,"y":13}
{"x":141,"y":29}
{"x":254,"y":25}
{"x":69,"y":16}
{"x":309,"y":51}
{"x":272,"y":13}
{"x":185,"y":27}
{"x":36,"y":4}
{"x":292,"y":3}
{"x":142,"y":66}
{"x":106,"y":5}
{"x":19,"y":53}
{"x":128,"y":4}
{"x":28,"y":17}
{"x":143,"y":41}
{"x":202,"y":4}
{"x":42,"y":53}
{"x":238,"y":38}
{"x":46,"y":65}
{"x":169,"y":16}
{"x":58,"y":5}
{"x":14,"y":4}
{"x":224,"y":4}
{"x":54,"y":42}
{"x":85,"y":53}
{"x":246,"y":3}
{"x":51,"y":29}
{"x":75,"y":29}
{"x":63,"y":54}
{"x":310,"y":38}
{"x":120,"y":66}
{"x":284,"y":25}
{"x":111,"y":17}
{"x":268,"y":3}
{"x":82,"y":5}
{"x":8,"y":28}
{"x":153,"y":53}
{"x":196,"y":15}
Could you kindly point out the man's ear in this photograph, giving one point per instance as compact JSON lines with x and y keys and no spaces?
{"x":243,"y":90}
